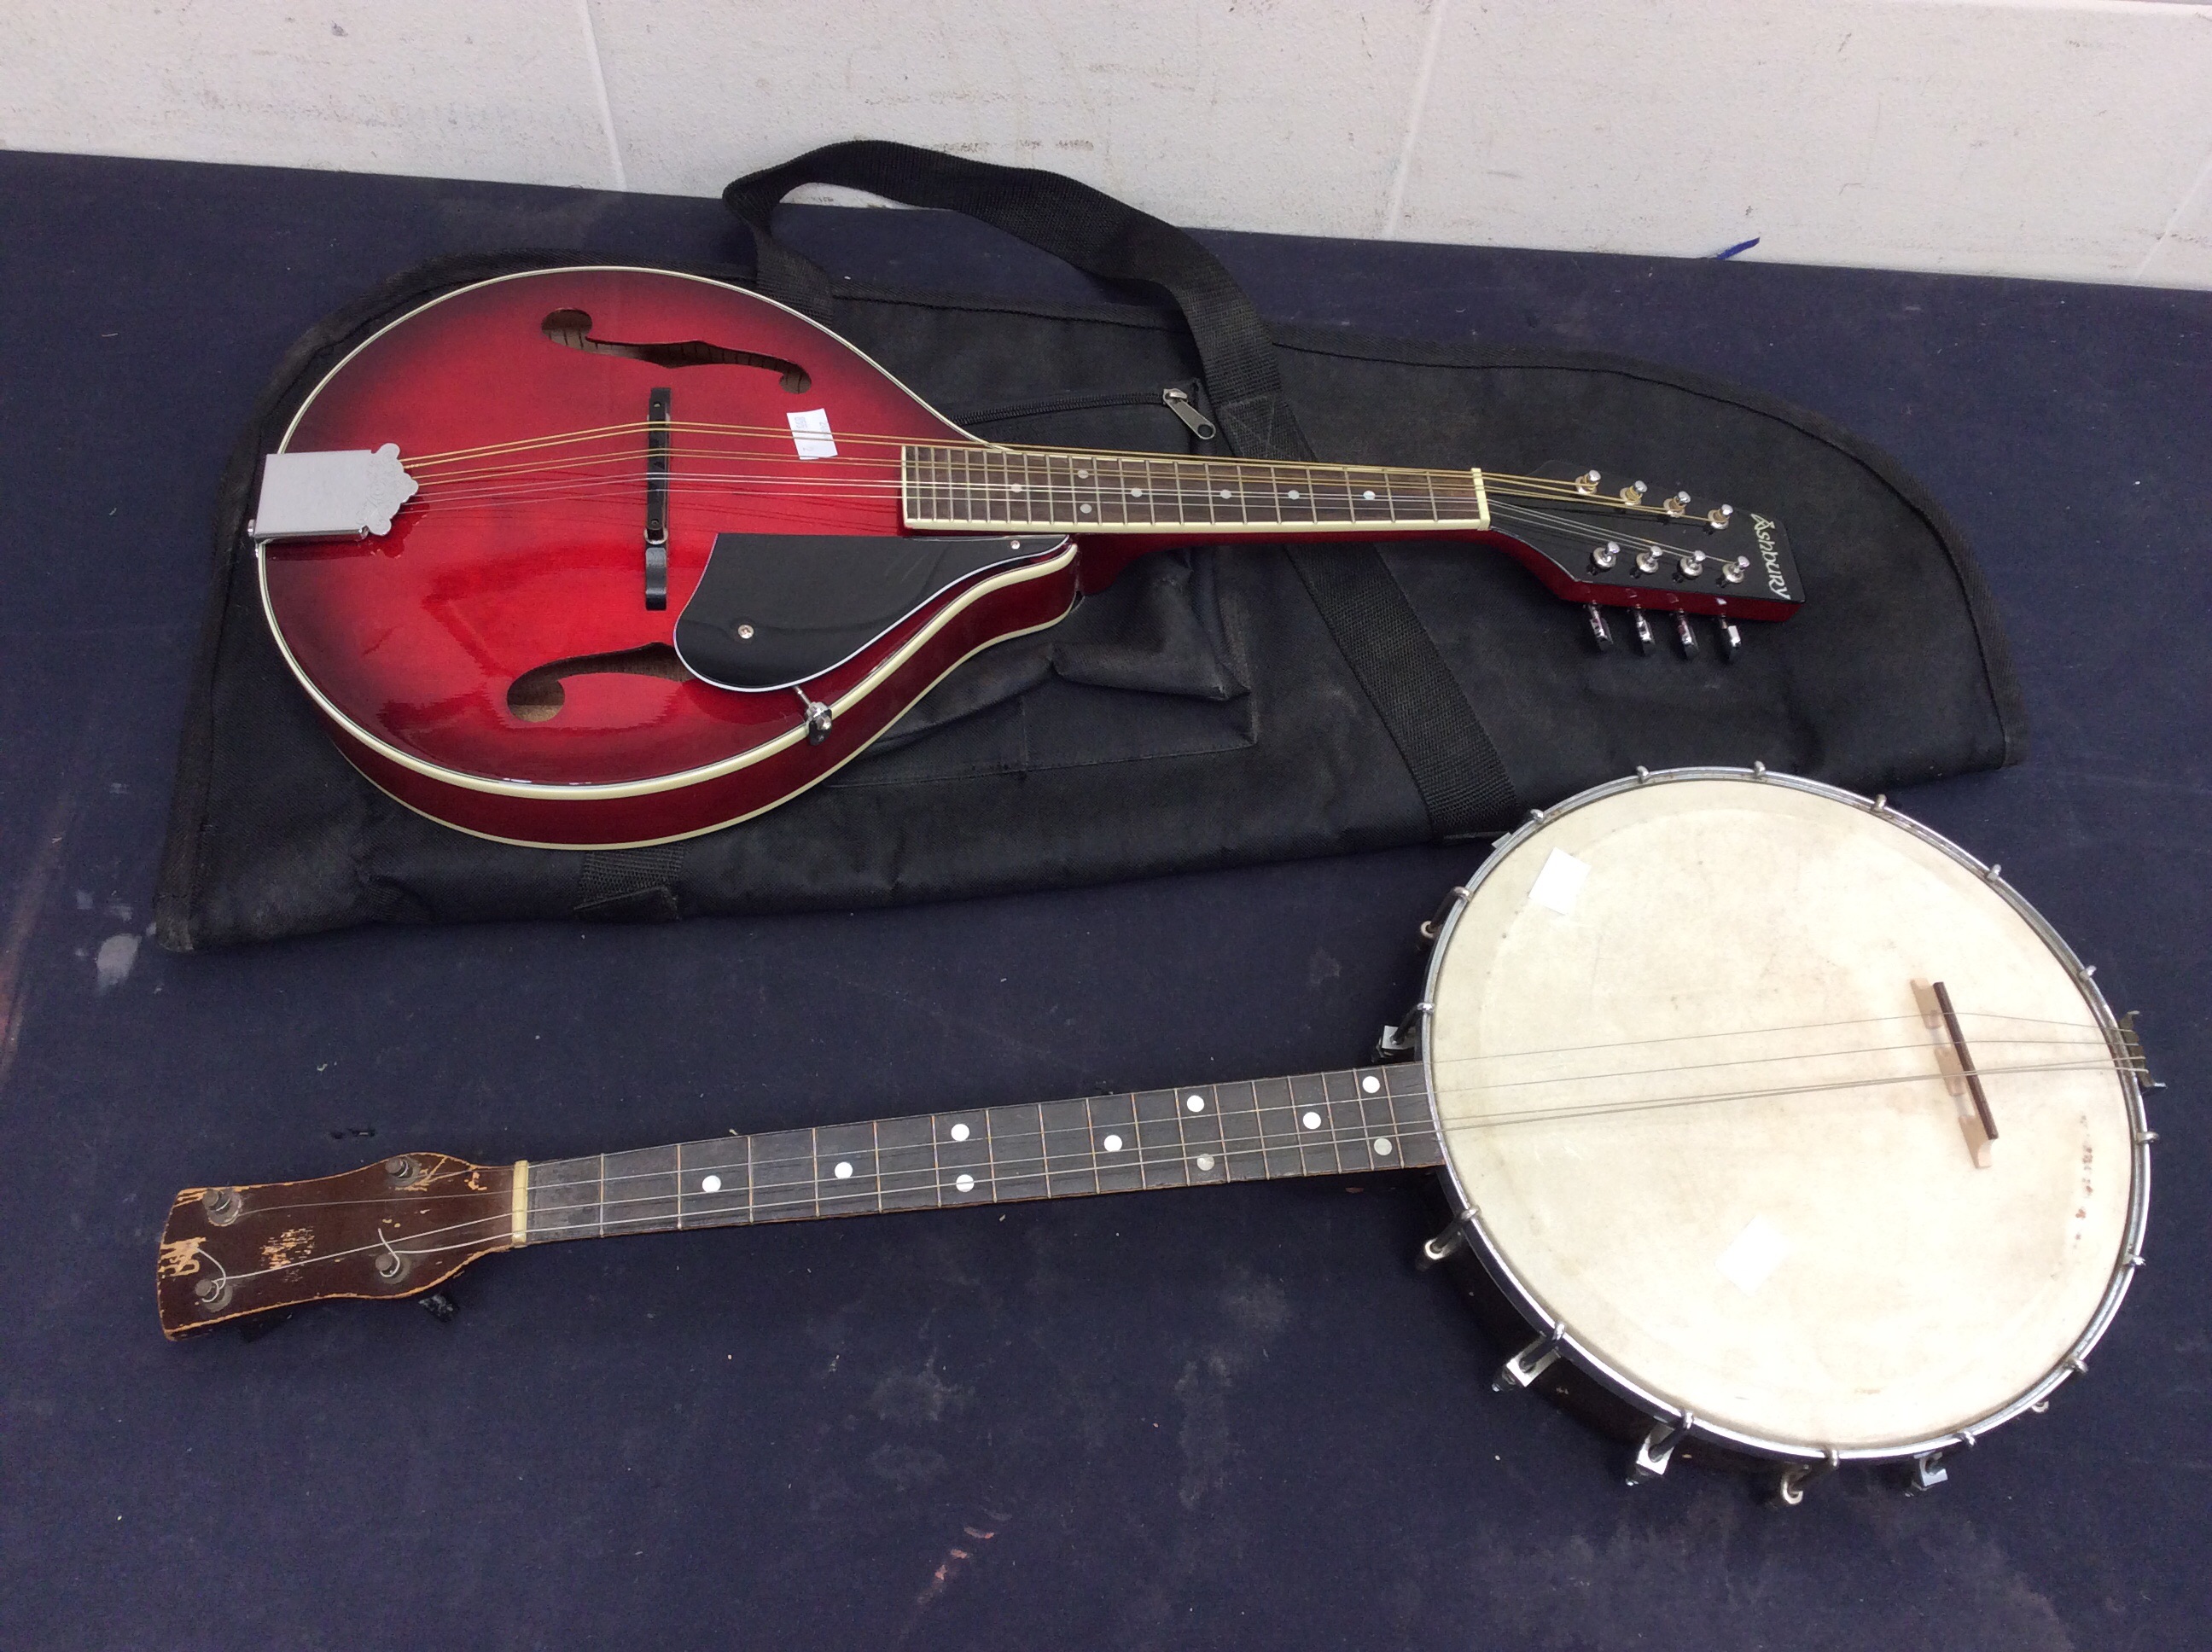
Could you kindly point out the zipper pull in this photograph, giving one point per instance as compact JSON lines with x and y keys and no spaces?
{"x":1180,"y":404}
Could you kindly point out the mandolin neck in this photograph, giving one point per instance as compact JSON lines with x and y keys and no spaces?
{"x":979,"y":487}
{"x":1320,"y":1124}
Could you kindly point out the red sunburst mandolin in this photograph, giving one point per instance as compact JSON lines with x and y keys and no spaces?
{"x":603,"y":556}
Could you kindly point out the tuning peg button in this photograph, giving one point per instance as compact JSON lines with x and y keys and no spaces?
{"x":1644,"y":640}
{"x":1731,"y":639}
{"x":1685,"y":636}
{"x":1601,"y":634}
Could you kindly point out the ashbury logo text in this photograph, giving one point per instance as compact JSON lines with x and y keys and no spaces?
{"x":1769,"y":553}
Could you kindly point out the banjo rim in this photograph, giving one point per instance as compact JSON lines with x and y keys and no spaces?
{"x":1555,"y":1335}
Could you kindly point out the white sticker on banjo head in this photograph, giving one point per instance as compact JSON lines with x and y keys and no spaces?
{"x":1757,"y":1252}
{"x":1560,"y":882}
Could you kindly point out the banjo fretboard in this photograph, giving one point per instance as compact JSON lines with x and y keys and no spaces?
{"x":1320,"y":1124}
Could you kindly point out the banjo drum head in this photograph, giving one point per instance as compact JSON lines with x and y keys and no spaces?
{"x":1690,"y":1095}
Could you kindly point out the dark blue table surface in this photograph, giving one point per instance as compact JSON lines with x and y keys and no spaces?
{"x":1233,"y":1418}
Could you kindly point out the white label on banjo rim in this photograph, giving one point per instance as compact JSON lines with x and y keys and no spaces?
{"x":1560,"y":882}
{"x":1748,"y":1262}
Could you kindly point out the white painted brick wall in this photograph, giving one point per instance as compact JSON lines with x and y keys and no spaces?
{"x":2069,"y":138}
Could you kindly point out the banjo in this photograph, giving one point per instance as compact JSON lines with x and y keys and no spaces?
{"x":1852,"y":1167}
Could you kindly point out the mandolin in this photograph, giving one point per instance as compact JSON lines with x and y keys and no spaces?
{"x":604,"y":556}
{"x":1851,"y":1166}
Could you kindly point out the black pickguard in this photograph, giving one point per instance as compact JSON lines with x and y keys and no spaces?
{"x":774,"y":610}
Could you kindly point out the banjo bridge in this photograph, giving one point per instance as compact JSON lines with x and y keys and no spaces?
{"x":1956,"y":1063}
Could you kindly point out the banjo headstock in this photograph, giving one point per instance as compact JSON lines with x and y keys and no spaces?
{"x":391,"y":1229}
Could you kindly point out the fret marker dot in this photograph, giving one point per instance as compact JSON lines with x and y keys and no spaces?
{"x":1369,"y":494}
{"x":1204,"y":1160}
{"x":1383,"y":1147}
{"x":1015,"y":486}
{"x":1136,"y":493}
{"x":1370,"y":1084}
{"x":1311,"y":1121}
{"x":1112,"y":1144}
{"x":1195,"y":1104}
{"x":965,"y":1182}
{"x":1224,"y":493}
{"x":1083,"y":476}
{"x":958,"y":1132}
{"x":710,"y":1184}
{"x":844,"y":1171}
{"x":1084,"y":510}
{"x":1294,"y":493}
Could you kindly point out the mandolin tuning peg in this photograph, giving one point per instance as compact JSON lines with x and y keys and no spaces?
{"x":1685,"y":637}
{"x":1601,"y":634}
{"x":1644,"y":640}
{"x":1731,"y":638}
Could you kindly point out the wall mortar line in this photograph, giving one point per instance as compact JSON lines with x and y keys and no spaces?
{"x":2189,"y":198}
{"x":1415,"y":110}
{"x":599,"y":91}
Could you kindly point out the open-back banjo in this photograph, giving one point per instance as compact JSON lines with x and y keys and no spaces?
{"x":1851,"y":1166}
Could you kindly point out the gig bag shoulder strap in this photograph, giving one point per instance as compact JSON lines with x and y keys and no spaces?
{"x":1462,"y":782}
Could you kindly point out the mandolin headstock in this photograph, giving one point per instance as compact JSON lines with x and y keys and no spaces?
{"x":390,"y":1230}
{"x":1626,"y":547}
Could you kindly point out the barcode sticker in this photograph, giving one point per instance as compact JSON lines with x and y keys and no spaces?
{"x":810,"y":434}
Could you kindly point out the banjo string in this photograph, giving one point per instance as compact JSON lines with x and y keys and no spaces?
{"x":1740,"y":1061}
{"x":1141,"y":1159}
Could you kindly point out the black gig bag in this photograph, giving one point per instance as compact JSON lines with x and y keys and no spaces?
{"x":1212,"y":708}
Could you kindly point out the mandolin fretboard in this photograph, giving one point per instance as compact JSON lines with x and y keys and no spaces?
{"x":984,"y":488}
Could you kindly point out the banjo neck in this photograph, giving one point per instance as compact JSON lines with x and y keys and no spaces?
{"x":1316,"y":1124}
{"x":413,"y":1221}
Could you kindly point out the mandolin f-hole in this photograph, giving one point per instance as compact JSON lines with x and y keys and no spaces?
{"x":573,"y":329}
{"x":537,"y":696}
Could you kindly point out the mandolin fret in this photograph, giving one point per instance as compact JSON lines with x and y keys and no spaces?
{"x":981,"y":488}
{"x":1316,"y":1124}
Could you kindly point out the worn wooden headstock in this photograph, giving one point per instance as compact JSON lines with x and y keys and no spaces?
{"x":392,"y":1229}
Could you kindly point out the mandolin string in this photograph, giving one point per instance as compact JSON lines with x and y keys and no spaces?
{"x":444,"y":487}
{"x":495,"y":495}
{"x":551,"y":477}
{"x":1180,"y":478}
{"x":1547,"y":488}
{"x":491,"y":1225}
{"x":520,"y":483}
{"x":1567,"y":488}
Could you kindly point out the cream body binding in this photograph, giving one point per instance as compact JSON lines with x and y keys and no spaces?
{"x":1820,"y":1269}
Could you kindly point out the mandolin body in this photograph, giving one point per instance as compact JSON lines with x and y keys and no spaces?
{"x":411,"y":643}
{"x":644,"y":554}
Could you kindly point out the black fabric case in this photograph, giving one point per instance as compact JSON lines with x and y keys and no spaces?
{"x":1211,"y":708}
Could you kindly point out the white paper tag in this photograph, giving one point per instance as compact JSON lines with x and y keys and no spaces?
{"x":1754,"y":1255}
{"x":810,"y":434}
{"x":1560,"y":882}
